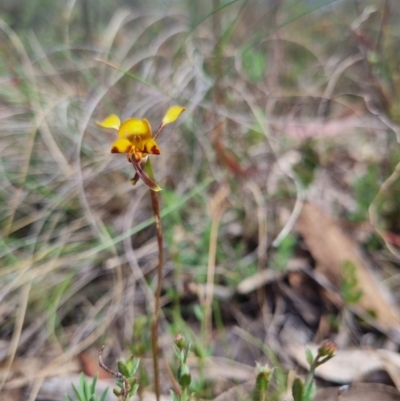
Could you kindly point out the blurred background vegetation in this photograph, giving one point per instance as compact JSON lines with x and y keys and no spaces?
{"x":288,"y":101}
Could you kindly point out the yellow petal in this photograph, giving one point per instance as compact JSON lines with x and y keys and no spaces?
{"x":121,"y":146}
{"x":172,"y":114}
{"x":150,"y":146}
{"x":112,"y":121}
{"x":133,"y":127}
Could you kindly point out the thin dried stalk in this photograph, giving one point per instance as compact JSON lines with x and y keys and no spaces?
{"x":154,"y":328}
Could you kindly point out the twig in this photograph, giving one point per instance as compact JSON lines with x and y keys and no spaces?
{"x":125,"y":387}
{"x":118,"y":375}
{"x":298,"y":206}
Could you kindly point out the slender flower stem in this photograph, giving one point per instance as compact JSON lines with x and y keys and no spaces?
{"x":155,"y":203}
{"x":158,"y":132}
{"x":154,"y":329}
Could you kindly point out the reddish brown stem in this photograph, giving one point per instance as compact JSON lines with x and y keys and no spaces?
{"x":154,"y":329}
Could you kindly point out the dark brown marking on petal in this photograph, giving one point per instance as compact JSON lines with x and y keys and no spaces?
{"x":155,"y":150}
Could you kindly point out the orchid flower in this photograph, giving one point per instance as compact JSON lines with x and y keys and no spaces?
{"x":136,"y":139}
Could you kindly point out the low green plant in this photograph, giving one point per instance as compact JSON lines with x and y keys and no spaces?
{"x":305,"y":169}
{"x":184,"y":377}
{"x":365,"y":188}
{"x":128,"y":385}
{"x":262,"y":382}
{"x":127,"y":381}
{"x":350,"y":291}
{"x":302,"y":390}
{"x":87,"y":391}
{"x":305,"y":390}
{"x":284,"y":252}
{"x":254,"y":64}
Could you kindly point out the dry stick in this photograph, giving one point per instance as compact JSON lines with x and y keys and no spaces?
{"x":217,"y":210}
{"x":154,"y":328}
{"x":125,"y":387}
{"x":210,"y":274}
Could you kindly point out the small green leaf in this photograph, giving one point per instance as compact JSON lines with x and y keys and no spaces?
{"x":104,"y":395}
{"x":122,"y":368}
{"x":86,"y":388}
{"x":185,"y":357}
{"x":174,"y":396}
{"x":132,"y":381}
{"x":350,"y":291}
{"x":93,"y":386}
{"x":254,"y":64}
{"x":309,"y":356}
{"x":78,"y":394}
{"x":177,"y":352}
{"x":198,"y":312}
{"x":135,"y":366}
{"x":68,"y":398}
{"x":133,"y":391}
{"x":297,"y":390}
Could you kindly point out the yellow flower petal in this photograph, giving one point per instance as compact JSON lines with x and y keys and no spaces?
{"x":134,"y":127}
{"x":112,"y":121}
{"x":150,"y":146}
{"x":172,"y":114}
{"x":121,"y":146}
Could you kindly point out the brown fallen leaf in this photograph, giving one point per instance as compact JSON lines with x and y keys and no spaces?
{"x":391,"y":363}
{"x":358,"y":392}
{"x":331,"y":248}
